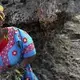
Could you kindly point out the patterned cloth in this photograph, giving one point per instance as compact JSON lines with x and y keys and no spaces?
{"x":20,"y":45}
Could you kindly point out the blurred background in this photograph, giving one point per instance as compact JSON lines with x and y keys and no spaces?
{"x":55,"y":28}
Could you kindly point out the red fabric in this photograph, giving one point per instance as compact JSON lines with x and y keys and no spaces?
{"x":3,"y":44}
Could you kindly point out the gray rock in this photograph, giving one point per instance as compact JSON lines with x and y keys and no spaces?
{"x":55,"y":28}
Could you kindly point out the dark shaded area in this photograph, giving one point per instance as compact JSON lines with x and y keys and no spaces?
{"x":23,"y":1}
{"x":75,"y":36}
{"x":4,"y":2}
{"x":62,"y":18}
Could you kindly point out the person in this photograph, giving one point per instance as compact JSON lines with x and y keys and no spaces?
{"x":16,"y":46}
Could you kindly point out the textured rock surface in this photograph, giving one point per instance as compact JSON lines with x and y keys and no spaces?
{"x":55,"y":28}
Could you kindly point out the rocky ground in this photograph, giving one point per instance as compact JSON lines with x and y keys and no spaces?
{"x":55,"y":28}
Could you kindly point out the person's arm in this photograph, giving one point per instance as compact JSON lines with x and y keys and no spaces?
{"x":28,"y":60}
{"x":28,"y":54}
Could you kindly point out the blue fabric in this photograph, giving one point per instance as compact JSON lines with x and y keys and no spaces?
{"x":20,"y":46}
{"x":29,"y":75}
{"x":31,"y":53}
{"x":1,"y":63}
